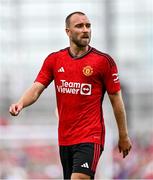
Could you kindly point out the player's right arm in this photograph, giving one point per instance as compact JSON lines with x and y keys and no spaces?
{"x":28,"y":98}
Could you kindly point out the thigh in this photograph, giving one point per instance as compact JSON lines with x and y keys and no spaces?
{"x":66,"y":160}
{"x":85,"y":158}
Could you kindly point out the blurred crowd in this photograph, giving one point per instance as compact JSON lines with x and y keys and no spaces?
{"x":42,"y":161}
{"x":138,"y":165}
{"x":31,"y":162}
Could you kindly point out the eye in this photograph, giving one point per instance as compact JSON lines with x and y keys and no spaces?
{"x":79,"y":25}
{"x":88,"y":25}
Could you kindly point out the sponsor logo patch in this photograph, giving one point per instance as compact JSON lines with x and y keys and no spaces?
{"x":66,"y":87}
{"x":61,"y":69}
{"x":85,"y":165}
{"x":115,"y":78}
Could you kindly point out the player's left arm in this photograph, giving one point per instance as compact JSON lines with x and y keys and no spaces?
{"x":124,"y":143}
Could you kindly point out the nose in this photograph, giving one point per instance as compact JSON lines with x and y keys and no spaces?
{"x":85,"y":29}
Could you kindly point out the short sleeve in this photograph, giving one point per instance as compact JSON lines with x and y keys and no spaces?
{"x":110,"y":76}
{"x":45,"y":75}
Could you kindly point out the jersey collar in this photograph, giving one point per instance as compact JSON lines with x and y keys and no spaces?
{"x":81,"y":56}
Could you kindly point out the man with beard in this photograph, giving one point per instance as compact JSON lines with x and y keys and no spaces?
{"x":81,"y":75}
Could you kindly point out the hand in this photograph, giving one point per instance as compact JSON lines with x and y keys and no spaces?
{"x":124,"y":146}
{"x":15,"y":109}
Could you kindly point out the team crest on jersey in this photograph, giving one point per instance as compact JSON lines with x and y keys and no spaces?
{"x":88,"y":71}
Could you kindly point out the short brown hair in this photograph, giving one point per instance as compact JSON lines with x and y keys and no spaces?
{"x":67,"y":20}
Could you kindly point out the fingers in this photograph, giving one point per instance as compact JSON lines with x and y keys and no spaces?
{"x":125,"y":146}
{"x":120,"y":150}
{"x":125,"y":152}
{"x":15,"y":109}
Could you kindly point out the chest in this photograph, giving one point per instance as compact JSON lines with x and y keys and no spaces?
{"x":82,"y":70}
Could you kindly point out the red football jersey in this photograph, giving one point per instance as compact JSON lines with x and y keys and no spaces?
{"x":80,"y":85}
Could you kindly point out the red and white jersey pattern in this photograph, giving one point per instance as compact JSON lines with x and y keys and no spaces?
{"x":80,"y":85}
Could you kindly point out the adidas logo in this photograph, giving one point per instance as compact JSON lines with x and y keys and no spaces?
{"x":85,"y":165}
{"x":61,"y":69}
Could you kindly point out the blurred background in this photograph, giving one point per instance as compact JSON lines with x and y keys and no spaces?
{"x":29,"y":31}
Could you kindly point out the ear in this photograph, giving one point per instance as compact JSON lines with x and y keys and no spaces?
{"x":67,"y":30}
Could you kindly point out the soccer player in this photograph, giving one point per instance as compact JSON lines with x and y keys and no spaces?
{"x":81,"y":75}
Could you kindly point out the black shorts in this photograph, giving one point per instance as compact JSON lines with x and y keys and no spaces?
{"x":80,"y":158}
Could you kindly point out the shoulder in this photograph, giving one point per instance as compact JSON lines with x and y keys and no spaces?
{"x":57,"y":53}
{"x":106,"y":58}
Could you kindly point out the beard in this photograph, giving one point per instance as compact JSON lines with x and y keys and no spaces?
{"x":81,"y":41}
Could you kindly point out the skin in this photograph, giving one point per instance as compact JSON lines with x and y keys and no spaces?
{"x":124,"y":143}
{"x":79,"y":33}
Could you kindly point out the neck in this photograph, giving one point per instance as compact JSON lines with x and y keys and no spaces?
{"x":78,"y":51}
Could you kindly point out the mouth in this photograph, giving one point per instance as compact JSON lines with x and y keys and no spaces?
{"x":85,"y":36}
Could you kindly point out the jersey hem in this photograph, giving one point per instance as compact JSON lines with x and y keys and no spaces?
{"x":79,"y":142}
